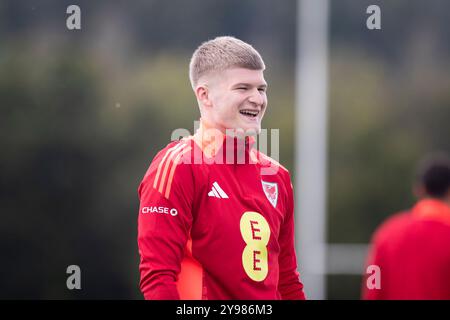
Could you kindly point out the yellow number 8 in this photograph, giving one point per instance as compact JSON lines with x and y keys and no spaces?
{"x":256,"y":233}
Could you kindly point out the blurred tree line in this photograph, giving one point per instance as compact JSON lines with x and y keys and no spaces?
{"x":84,"y":112}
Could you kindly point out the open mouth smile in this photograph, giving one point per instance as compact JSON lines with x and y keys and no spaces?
{"x":250,"y":113}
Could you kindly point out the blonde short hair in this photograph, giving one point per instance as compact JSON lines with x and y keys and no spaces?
{"x":220,"y":54}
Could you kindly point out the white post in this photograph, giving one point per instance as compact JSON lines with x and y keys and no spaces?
{"x":311,"y":144}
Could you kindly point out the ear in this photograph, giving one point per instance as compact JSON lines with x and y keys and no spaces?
{"x":202,"y":94}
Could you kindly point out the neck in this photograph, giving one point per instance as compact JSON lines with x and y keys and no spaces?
{"x":211,"y":139}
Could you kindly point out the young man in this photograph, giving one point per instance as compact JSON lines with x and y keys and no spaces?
{"x":216,"y":217}
{"x":412,"y":249}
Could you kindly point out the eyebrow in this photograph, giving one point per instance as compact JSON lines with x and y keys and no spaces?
{"x":243,"y":84}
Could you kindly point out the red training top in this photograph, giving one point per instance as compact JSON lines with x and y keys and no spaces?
{"x":216,"y":230}
{"x":413,"y":252}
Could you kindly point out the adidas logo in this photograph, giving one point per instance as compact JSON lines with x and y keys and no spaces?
{"x":217,"y":192}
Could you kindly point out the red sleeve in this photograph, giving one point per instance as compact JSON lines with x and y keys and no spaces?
{"x":289,"y":284}
{"x":164,"y":223}
{"x":376,"y":257}
{"x":373,"y":258}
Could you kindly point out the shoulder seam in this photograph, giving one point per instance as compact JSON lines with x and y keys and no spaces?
{"x":271,"y":160}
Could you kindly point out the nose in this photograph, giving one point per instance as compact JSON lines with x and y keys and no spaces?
{"x":257,"y":97}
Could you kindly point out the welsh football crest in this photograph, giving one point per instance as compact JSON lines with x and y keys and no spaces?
{"x":271,"y":191}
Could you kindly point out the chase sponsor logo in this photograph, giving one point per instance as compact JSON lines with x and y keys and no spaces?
{"x":163,"y":210}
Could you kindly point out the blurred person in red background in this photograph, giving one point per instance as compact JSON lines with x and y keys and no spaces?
{"x":411,"y":250}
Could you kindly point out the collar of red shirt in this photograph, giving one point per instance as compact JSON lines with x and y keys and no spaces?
{"x":432,"y":209}
{"x":211,"y":140}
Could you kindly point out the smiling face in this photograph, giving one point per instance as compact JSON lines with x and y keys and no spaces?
{"x":234,"y":99}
